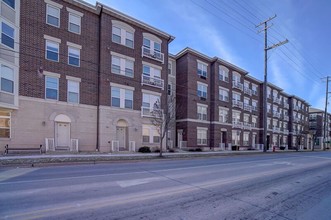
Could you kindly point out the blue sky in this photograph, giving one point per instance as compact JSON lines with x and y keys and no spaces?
{"x":226,"y":29}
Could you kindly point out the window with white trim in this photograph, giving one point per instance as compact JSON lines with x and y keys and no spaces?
{"x":122,"y":66}
{"x":236,"y":96}
{"x":246,"y":118}
{"x":235,"y":137}
{"x":150,"y":134}
{"x":5,"y":119}
{"x":236,"y":77}
{"x":246,"y":139}
{"x":223,"y":74}
{"x":254,"y":89}
{"x":268,"y":92}
{"x":169,"y":68}
{"x":223,"y":94}
{"x":202,"y":90}
{"x":269,"y":107}
{"x":10,"y":3}
{"x":123,"y":34}
{"x":202,"y":69}
{"x":202,"y":112}
{"x":235,"y":116}
{"x":254,"y":104}
{"x":7,"y":79}
{"x":201,"y":136}
{"x":52,"y":50}
{"x":268,"y":123}
{"x":53,"y":15}
{"x":73,"y":56}
{"x":254,"y":121}
{"x":74,"y":23}
{"x":223,"y":114}
{"x":121,"y":98}
{"x":150,"y":101}
{"x":151,"y":71}
{"x":152,"y":45}
{"x":73,"y":91}
{"x":7,"y":35}
{"x":52,"y":88}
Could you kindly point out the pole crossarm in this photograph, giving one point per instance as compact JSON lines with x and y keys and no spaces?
{"x":277,"y":45}
{"x":263,"y":22}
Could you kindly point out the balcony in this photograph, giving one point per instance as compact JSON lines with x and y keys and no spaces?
{"x":277,"y":100}
{"x":286,"y":118}
{"x":223,"y":98}
{"x":286,"y":131}
{"x":237,"y":85}
{"x":296,"y":120}
{"x":286,"y":105}
{"x":247,"y":126}
{"x":237,"y":124}
{"x":296,"y":108}
{"x":247,"y":107}
{"x":151,"y":112}
{"x":276,"y":114}
{"x":275,"y":129}
{"x":238,"y":104}
{"x":247,"y":91}
{"x":152,"y":81}
{"x":155,"y":55}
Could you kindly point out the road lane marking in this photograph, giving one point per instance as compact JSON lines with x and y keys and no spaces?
{"x":135,"y":182}
{"x":8,"y":174}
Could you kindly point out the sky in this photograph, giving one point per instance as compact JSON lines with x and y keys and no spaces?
{"x":227,"y":29}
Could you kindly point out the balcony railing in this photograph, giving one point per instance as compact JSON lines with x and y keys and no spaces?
{"x":275,"y":129}
{"x":237,"y":85}
{"x":277,"y":100}
{"x":286,"y":105}
{"x":296,"y":108}
{"x":247,"y":107}
{"x":152,"y":81}
{"x":286,"y":131}
{"x":237,"y":104}
{"x":247,"y":90}
{"x":155,"y":55}
{"x":276,"y":114}
{"x":151,"y":112}
{"x":247,"y":125}
{"x":237,"y":124}
{"x":223,"y":98}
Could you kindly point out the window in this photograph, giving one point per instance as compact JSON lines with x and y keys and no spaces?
{"x":223,"y":115}
{"x":11,"y":3}
{"x":122,"y":66}
{"x":223,"y":74}
{"x":73,"y":91}
{"x":149,"y":101}
{"x":246,"y":118}
{"x":235,"y":137}
{"x":5,"y":118}
{"x":269,"y":108}
{"x":169,"y":68}
{"x":236,"y":77}
{"x":235,"y":117}
{"x":236,"y":97}
{"x":254,"y":89}
{"x":202,"y":112}
{"x":202,"y":69}
{"x":121,"y":98}
{"x":246,"y":139}
{"x":268,"y":92}
{"x":7,"y":35}
{"x":151,"y":71}
{"x":254,"y":121}
{"x":254,"y":105}
{"x":122,"y":33}
{"x":223,"y":94}
{"x":202,"y":90}
{"x":7,"y":79}
{"x":53,"y":15}
{"x":52,"y":51}
{"x":74,"y":23}
{"x":169,"y":89}
{"x":73,"y":56}
{"x":52,"y":88}
{"x":150,"y":134}
{"x":201,"y":136}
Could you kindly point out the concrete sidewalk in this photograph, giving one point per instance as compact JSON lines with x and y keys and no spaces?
{"x":40,"y":159}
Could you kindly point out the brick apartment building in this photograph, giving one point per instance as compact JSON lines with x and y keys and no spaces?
{"x":87,"y":76}
{"x":316,"y":127}
{"x":221,"y":106}
{"x":83,"y":77}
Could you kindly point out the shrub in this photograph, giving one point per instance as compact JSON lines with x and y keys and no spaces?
{"x":144,"y":149}
{"x":171,"y":151}
{"x":157,"y":151}
{"x":198,"y":150}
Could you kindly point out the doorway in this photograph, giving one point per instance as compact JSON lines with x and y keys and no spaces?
{"x":63,"y":134}
{"x":122,"y":135}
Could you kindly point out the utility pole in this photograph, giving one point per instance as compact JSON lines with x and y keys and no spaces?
{"x":326,"y":111}
{"x":266,"y":48}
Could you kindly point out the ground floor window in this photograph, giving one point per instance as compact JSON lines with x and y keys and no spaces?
{"x":150,"y":134}
{"x":202,"y":136}
{"x":5,"y":124}
{"x":246,"y":139}
{"x":235,"y":137}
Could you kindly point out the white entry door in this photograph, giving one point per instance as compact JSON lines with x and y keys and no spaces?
{"x":121,"y":137}
{"x":63,"y":134}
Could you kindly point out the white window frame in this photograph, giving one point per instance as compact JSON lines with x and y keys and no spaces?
{"x":223,"y":74}
{"x":58,"y":16}
{"x":152,"y":132}
{"x":223,"y":115}
{"x":123,"y":64}
{"x":123,"y":92}
{"x":202,"y":136}
{"x":7,"y":35}
{"x":152,"y":99}
{"x":236,"y":96}
{"x":48,"y":42}
{"x":236,"y":77}
{"x":11,"y":6}
{"x":73,"y":82}
{"x":202,"y":112}
{"x":223,"y":94}
{"x":4,"y":75}
{"x":124,"y":29}
{"x":72,"y":49}
{"x":202,"y":69}
{"x":57,"y":89}
{"x":72,"y":16}
{"x":202,"y":88}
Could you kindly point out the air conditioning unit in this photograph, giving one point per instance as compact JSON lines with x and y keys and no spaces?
{"x":203,"y":77}
{"x":203,"y":98}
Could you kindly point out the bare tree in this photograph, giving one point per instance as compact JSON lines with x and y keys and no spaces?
{"x":164,"y":119}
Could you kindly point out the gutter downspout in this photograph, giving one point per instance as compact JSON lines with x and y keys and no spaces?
{"x":99,"y":82}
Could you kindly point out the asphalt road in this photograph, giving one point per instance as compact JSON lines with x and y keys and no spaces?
{"x":267,"y":186}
